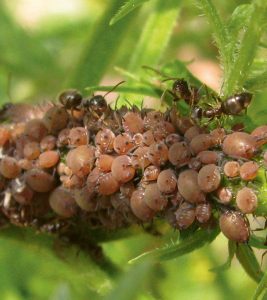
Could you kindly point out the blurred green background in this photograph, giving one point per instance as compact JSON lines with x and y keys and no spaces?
{"x":46,"y":46}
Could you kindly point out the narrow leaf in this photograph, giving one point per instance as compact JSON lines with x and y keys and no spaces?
{"x":227,"y":264}
{"x":195,"y":241}
{"x":125,"y":9}
{"x":219,"y":29}
{"x":257,"y":242}
{"x":130,"y":284}
{"x":101,"y":48}
{"x":249,"y":262}
{"x":261,"y":287}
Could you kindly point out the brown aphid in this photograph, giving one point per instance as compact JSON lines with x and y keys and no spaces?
{"x":48,"y":159}
{"x":151,"y":173}
{"x":21,"y":192}
{"x":179,"y":154}
{"x":172,"y":139}
{"x":63,"y":137}
{"x":93,"y":178}
{"x":20,"y":142}
{"x":188,"y":187}
{"x":185,"y":215}
{"x":138,"y":139}
{"x":132,"y":123}
{"x":249,"y":170}
{"x":183,"y":124}
{"x":104,"y":140}
{"x":139,"y":158}
{"x":217,"y":135}
{"x":49,"y":142}
{"x":9,"y":167}
{"x":123,"y":143}
{"x":167,"y":181}
{"x":104,"y":162}
{"x":39,"y":180}
{"x":231,"y":169}
{"x":127,"y":189}
{"x":158,"y":154}
{"x":152,"y":118}
{"x":176,"y":199}
{"x":35,"y":129}
{"x":62,"y":202}
{"x":55,"y":119}
{"x":153,"y":197}
{"x":203,"y":212}
{"x":72,"y":181}
{"x":246,"y":200}
{"x":139,"y":207}
{"x":148,"y":138}
{"x":208,"y":157}
{"x":239,"y":144}
{"x":85,"y":199}
{"x":234,"y":226}
{"x":107,"y":184}
{"x":5,"y":136}
{"x":260,"y":134}
{"x":78,"y":136}
{"x":31,"y":150}
{"x":194,"y":164}
{"x":81,"y":159}
{"x":162,"y":130}
{"x":209,"y":178}
{"x":201,"y":142}
{"x":224,"y":195}
{"x":26,"y":164}
{"x":192,"y":132}
{"x":122,"y":169}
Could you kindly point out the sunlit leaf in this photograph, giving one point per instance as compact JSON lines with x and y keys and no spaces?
{"x":196,"y":240}
{"x":125,"y":9}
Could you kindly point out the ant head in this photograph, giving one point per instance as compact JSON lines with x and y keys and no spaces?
{"x":246,"y":98}
{"x":98,"y":104}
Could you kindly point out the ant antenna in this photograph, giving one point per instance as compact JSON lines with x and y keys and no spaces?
{"x":172,"y":78}
{"x":114,"y":87}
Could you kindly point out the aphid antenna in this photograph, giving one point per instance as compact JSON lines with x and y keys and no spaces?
{"x":114,"y":87}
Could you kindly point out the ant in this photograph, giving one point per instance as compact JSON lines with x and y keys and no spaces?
{"x":70,"y":99}
{"x":232,"y":106}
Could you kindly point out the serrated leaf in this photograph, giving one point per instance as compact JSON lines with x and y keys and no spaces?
{"x":130,"y":285}
{"x":195,"y":241}
{"x":227,"y":264}
{"x":249,"y":262}
{"x":125,"y":9}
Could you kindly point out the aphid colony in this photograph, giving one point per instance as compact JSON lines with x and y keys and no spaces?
{"x":83,"y":162}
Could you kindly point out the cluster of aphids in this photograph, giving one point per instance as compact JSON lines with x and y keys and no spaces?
{"x":83,"y":162}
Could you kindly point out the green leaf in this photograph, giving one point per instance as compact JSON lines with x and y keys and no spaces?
{"x":130,"y":285}
{"x":219,"y":30}
{"x":155,"y":34}
{"x":249,"y":262}
{"x":257,"y":83}
{"x":257,"y":242}
{"x":195,"y":241}
{"x":261,"y":287}
{"x":227,"y":264}
{"x":240,"y":68}
{"x":125,"y":9}
{"x":101,"y":49}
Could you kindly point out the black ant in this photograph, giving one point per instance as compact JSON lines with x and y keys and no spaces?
{"x":233,"y":105}
{"x":70,"y":99}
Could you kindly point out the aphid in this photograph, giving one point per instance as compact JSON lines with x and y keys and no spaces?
{"x":86,"y":199}
{"x":260,"y":134}
{"x":21,"y":192}
{"x":192,"y":132}
{"x":172,"y":138}
{"x":148,"y":138}
{"x":151,"y":173}
{"x":203,"y":212}
{"x":209,"y":178}
{"x":9,"y":167}
{"x":188,"y":186}
{"x":185,"y":215}
{"x":200,"y":143}
{"x":138,"y":206}
{"x":167,"y":181}
{"x":97,"y":105}
{"x":107,"y":184}
{"x":122,"y":169}
{"x":49,"y":142}
{"x":153,"y":197}
{"x":249,"y":170}
{"x":63,"y":137}
{"x":158,"y":154}
{"x":78,"y":136}
{"x":139,"y":158}
{"x":55,"y":119}
{"x":26,"y":164}
{"x":123,"y":143}
{"x":246,"y":200}
{"x":231,"y":169}
{"x":217,"y":135}
{"x":179,"y":154}
{"x":39,"y":180}
{"x":70,"y":99}
{"x":138,"y":139}
{"x":239,"y":144}
{"x":35,"y":129}
{"x":5,"y":136}
{"x":31,"y":150}
{"x":132,"y":123}
{"x":104,"y":140}
{"x":81,"y":159}
{"x":104,"y":162}
{"x":48,"y":159}
{"x":62,"y":202}
{"x":162,"y":130}
{"x":208,"y":157}
{"x":152,"y":118}
{"x":72,"y":181}
{"x":183,"y":124}
{"x":224,"y":195}
{"x":234,"y":226}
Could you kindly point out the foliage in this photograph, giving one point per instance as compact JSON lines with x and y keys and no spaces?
{"x":123,"y":39}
